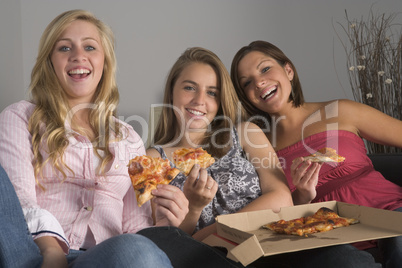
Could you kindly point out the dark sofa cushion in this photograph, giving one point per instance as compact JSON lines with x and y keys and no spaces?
{"x":390,"y":166}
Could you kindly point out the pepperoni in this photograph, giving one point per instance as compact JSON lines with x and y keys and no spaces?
{"x":135,"y":168}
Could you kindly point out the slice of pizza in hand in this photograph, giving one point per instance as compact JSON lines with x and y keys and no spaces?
{"x":186,"y":158}
{"x":325,"y":155}
{"x":146,"y":173}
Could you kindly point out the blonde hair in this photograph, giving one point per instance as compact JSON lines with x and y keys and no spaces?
{"x":47,"y":123}
{"x":227,"y":112}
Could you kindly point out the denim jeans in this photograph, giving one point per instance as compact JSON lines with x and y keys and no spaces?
{"x":17,"y":248}
{"x":127,"y":250}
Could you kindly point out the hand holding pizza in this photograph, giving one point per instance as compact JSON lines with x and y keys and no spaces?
{"x":305,"y":171}
{"x":201,"y":191}
{"x":305,"y":178}
{"x":170,"y":205}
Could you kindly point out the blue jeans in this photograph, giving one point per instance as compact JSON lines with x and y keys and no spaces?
{"x":127,"y":250}
{"x":17,"y":248}
{"x":391,"y":250}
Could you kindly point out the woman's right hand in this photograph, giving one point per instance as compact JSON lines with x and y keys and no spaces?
{"x":52,"y":253}
{"x":305,"y":178}
{"x":199,"y":188}
{"x":170,"y":205}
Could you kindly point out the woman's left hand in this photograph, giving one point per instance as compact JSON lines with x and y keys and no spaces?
{"x":170,"y":205}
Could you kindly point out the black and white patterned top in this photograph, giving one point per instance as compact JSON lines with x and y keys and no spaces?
{"x":238,"y":183}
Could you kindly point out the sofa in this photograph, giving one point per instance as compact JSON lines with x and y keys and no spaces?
{"x":390,"y":166}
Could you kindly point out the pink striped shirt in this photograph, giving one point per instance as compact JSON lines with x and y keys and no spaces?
{"x":105,"y":205}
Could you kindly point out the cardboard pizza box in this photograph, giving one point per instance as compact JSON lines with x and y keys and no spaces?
{"x":241,"y":233}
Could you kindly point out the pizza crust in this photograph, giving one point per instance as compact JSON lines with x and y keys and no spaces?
{"x":172,"y":173}
{"x":143,"y":193}
{"x":325,"y":154}
{"x":319,"y":159}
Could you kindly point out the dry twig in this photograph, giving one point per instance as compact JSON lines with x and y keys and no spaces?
{"x":374,"y":59}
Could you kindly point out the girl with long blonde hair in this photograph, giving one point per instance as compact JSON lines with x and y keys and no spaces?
{"x":66,"y":155}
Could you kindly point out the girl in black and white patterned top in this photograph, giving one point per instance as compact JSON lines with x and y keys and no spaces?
{"x":201,"y":110}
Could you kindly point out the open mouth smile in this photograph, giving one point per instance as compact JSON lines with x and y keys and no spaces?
{"x":268,"y":93}
{"x":79,"y":73}
{"x":195,"y":112}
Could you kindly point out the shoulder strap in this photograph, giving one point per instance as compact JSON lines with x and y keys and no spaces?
{"x":160,"y":151}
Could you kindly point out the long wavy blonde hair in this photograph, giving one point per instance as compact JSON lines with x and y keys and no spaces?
{"x":229,"y":112}
{"x":47,"y":123}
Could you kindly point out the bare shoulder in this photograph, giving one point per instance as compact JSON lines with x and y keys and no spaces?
{"x":314,"y":106}
{"x":336,"y":108}
{"x":357,"y":111}
{"x":246,"y":128}
{"x":371,"y":123}
{"x":153,"y":152}
{"x":346,"y":104}
{"x":251,"y":135}
{"x":349,"y":104}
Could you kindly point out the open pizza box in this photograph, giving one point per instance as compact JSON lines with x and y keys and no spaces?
{"x":241,"y":233}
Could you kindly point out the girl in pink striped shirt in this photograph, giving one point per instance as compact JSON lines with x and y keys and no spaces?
{"x":66,"y":155}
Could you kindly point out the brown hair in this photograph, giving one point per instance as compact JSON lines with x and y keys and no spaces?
{"x":274,"y":52}
{"x":228,"y":111}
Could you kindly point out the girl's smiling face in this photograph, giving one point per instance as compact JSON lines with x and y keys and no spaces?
{"x":196,"y":96}
{"x":265,"y":82}
{"x":78,"y":59}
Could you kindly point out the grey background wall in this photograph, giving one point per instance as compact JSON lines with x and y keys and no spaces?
{"x":151,"y":35}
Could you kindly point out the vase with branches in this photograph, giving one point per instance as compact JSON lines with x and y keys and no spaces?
{"x":374,"y":61}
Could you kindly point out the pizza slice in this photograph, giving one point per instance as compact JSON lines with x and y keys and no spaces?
{"x":186,"y":158}
{"x":286,"y":227}
{"x":326,"y":214}
{"x":323,"y":220}
{"x":325,"y":155}
{"x":146,"y":173}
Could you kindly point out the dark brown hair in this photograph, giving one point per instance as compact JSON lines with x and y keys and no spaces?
{"x":274,"y":52}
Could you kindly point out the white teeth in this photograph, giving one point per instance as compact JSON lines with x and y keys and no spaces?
{"x":267,"y":93}
{"x":195,"y":112}
{"x":79,"y":71}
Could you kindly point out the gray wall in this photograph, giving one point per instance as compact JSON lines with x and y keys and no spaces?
{"x":151,"y":35}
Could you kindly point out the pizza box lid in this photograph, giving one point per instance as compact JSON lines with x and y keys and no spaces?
{"x":246,"y":241}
